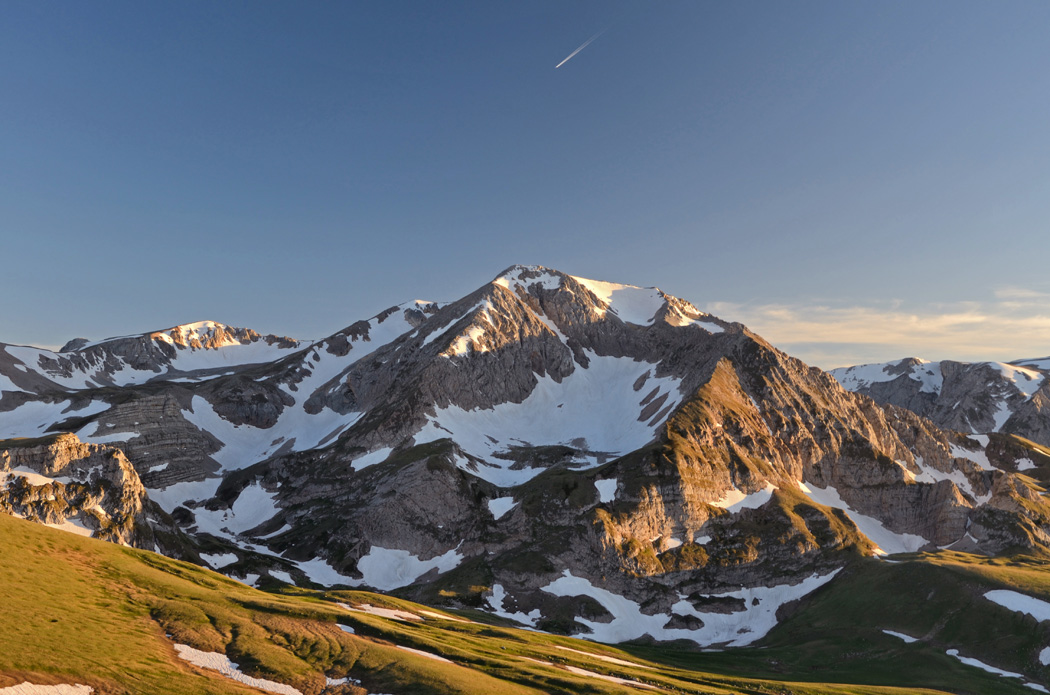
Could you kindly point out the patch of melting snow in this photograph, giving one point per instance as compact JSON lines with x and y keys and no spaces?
{"x":702,"y":322}
{"x":981,"y":665}
{"x":672,"y":543}
{"x":605,"y":677}
{"x":606,"y":490}
{"x":1044,"y":656}
{"x":371,"y":458}
{"x":443,"y":616}
{"x":389,"y":568}
{"x":901,"y":635}
{"x":244,"y":445}
{"x":221,"y":663}
{"x":28,"y":688}
{"x":282,"y":576}
{"x":734,"y":500}
{"x":31,"y":418}
{"x":738,"y":628}
{"x":1020,"y":603}
{"x":500,"y":506}
{"x":980,"y":457}
{"x":603,"y":657}
{"x":496,"y":602}
{"x":1027,"y":381}
{"x":321,"y":572}
{"x":219,"y":559}
{"x":590,"y":674}
{"x":637,"y":305}
{"x":252,"y":507}
{"x":1025,"y":464}
{"x":420,"y":652}
{"x":391,"y":613}
{"x":888,"y":541}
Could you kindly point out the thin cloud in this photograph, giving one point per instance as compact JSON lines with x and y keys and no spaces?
{"x":583,"y":46}
{"x":835,"y":336}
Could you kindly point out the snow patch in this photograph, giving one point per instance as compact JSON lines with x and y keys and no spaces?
{"x":606,"y":490}
{"x":219,"y":559}
{"x":32,"y":418}
{"x":631,"y":304}
{"x":981,"y":665}
{"x":388,"y":568}
{"x":734,"y":500}
{"x":391,"y":613}
{"x":888,"y":541}
{"x":420,"y":652}
{"x":28,"y":688}
{"x":738,"y":629}
{"x":320,"y":572}
{"x":1027,"y":381}
{"x":901,"y":635}
{"x":557,"y":414}
{"x":496,"y":602}
{"x":1020,"y":603}
{"x":500,"y":506}
{"x":221,"y":663}
{"x":603,"y":657}
{"x":372,"y":458}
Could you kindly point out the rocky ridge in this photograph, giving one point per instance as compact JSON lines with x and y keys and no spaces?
{"x":978,"y":397}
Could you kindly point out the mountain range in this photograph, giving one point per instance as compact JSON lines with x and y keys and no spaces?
{"x":578,"y":457}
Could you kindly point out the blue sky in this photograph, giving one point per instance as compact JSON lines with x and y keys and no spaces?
{"x":855,"y":181}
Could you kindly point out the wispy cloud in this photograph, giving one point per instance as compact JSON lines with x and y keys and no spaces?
{"x":1016,"y":325}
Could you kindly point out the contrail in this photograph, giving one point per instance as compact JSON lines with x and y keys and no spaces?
{"x":585,"y":44}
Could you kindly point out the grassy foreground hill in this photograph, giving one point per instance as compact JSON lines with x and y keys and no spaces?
{"x":79,"y":610}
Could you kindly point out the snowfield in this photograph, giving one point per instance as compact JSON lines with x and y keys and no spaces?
{"x":737,"y":629}
{"x":560,"y":414}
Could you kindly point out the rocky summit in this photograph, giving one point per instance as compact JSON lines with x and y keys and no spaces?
{"x":578,"y":456}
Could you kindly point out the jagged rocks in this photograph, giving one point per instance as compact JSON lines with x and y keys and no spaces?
{"x":59,"y":480}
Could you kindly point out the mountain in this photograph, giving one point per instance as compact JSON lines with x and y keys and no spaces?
{"x":975,"y":397}
{"x":578,"y":456}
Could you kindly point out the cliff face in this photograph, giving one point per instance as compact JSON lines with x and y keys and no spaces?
{"x":92,"y":489}
{"x":539,"y":442}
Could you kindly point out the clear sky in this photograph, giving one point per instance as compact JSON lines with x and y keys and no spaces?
{"x":856,"y":181}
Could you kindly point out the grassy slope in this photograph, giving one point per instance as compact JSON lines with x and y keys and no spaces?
{"x":837,"y":635}
{"x":80,"y":610}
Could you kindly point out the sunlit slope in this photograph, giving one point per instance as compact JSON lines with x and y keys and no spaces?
{"x":77,"y":610}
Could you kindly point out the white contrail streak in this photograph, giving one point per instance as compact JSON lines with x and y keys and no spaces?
{"x":585,"y":44}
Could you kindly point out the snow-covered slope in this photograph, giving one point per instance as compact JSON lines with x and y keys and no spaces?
{"x":976,"y":397}
{"x":191,"y":351}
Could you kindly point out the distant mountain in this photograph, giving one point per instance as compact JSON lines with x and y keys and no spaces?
{"x":578,"y":456}
{"x":974,"y":397}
